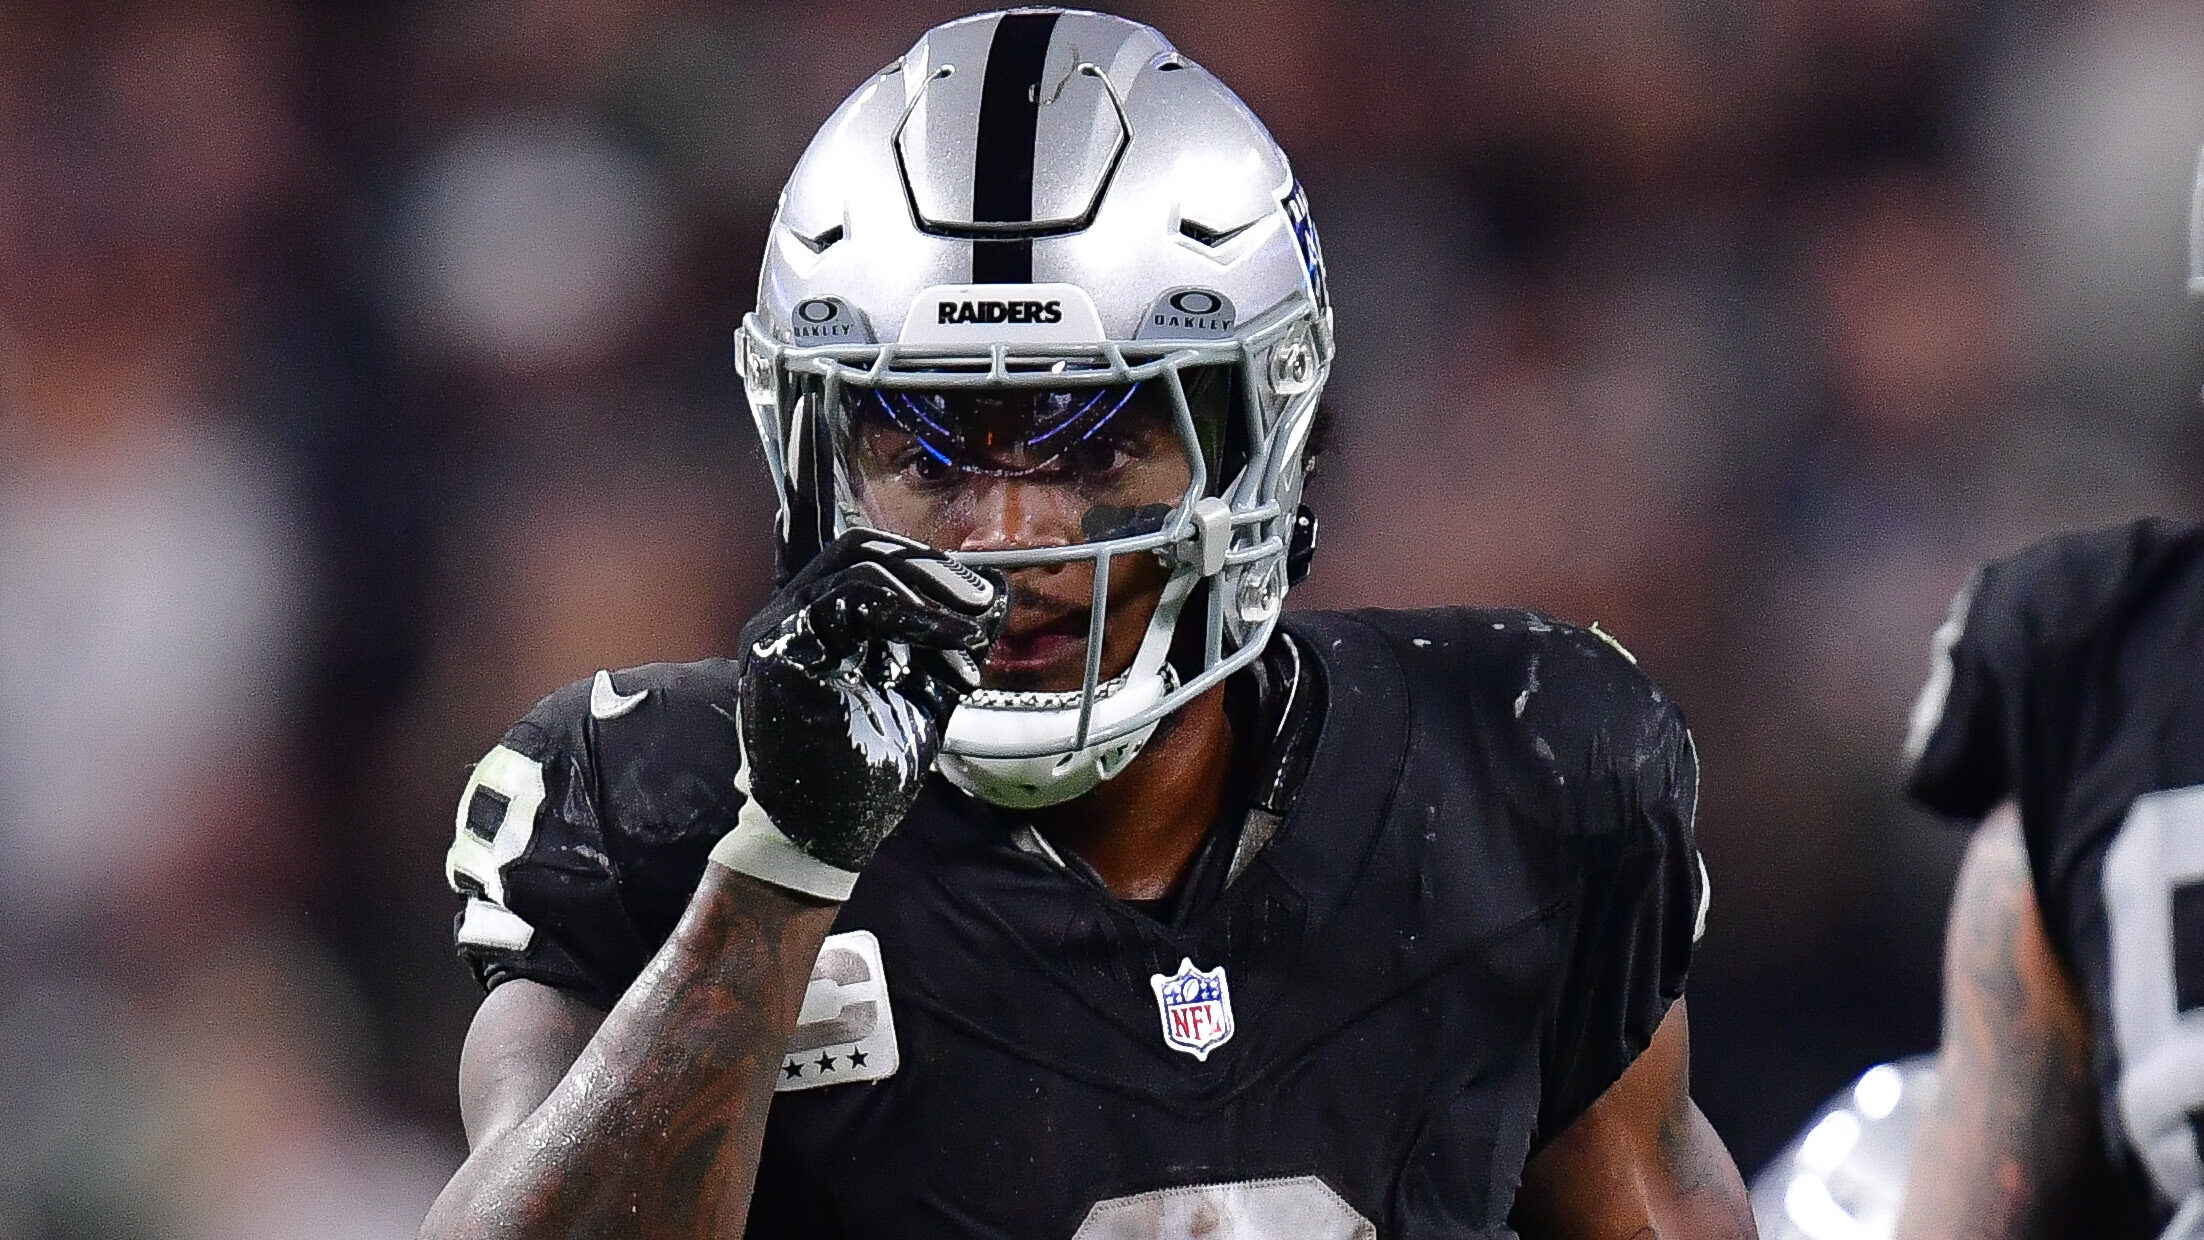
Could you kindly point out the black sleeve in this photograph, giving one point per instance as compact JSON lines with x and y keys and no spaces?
{"x":1957,"y":739}
{"x":1998,"y":700}
{"x":1641,"y":887}
{"x":581,"y":836}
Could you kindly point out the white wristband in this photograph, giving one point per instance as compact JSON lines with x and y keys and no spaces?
{"x":757,"y":848}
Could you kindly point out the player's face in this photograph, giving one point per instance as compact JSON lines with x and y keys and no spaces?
{"x":996,"y":470}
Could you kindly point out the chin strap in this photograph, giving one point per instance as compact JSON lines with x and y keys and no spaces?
{"x":1045,"y":726}
{"x":1301,"y":550}
{"x":1051,"y":778}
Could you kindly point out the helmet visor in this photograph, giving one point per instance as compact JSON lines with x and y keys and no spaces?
{"x":1007,"y":469}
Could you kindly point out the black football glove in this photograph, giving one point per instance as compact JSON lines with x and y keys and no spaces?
{"x":847,"y":678}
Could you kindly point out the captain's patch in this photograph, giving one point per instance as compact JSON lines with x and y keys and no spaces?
{"x":846,"y":1030}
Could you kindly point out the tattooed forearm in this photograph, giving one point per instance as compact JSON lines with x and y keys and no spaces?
{"x":2007,"y":1139}
{"x":654,"y":1131}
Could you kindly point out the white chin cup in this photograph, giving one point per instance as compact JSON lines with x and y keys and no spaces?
{"x":997,"y":719}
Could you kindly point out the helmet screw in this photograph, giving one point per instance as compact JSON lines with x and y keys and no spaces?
{"x":1293,"y":364}
{"x":1259,"y":595}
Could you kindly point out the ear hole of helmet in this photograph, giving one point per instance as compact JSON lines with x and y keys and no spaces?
{"x":808,"y":523}
{"x":1213,"y":394}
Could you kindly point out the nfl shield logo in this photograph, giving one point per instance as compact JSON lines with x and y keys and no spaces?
{"x":1196,"y":1009}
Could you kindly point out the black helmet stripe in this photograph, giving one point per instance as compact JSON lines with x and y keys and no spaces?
{"x":1002,"y":157}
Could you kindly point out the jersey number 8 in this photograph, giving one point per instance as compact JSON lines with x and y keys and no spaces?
{"x":496,"y":821}
{"x":2154,"y":906}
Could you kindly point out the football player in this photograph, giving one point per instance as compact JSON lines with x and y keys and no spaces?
{"x":1026,"y":866}
{"x":2065,"y":714}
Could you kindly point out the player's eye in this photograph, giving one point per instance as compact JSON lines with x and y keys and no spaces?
{"x":1098,"y":457}
{"x":920,"y":467}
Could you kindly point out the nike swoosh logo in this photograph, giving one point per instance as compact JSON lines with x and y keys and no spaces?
{"x":605,"y":702}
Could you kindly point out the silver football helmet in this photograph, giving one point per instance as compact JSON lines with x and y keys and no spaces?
{"x":1844,"y":1177}
{"x":1055,"y":212}
{"x":2196,"y":231}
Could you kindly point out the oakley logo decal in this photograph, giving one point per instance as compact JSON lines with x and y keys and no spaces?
{"x":1189,"y":314}
{"x":825,"y":320}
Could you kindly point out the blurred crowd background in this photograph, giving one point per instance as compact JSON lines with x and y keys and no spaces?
{"x":364,"y":375}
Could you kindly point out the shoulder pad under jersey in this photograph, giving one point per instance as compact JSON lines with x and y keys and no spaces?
{"x":582,"y":834}
{"x":2017,"y":625}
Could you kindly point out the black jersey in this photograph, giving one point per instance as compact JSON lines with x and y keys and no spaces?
{"x":1456,"y":921}
{"x":2070,"y":678}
